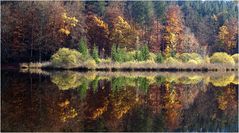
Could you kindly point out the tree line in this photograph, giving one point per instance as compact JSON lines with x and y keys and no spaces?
{"x":33,"y":31}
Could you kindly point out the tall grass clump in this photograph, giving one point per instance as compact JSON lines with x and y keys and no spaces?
{"x":222,"y":58}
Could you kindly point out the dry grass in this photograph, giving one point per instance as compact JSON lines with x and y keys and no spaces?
{"x":144,"y":65}
{"x":35,"y":65}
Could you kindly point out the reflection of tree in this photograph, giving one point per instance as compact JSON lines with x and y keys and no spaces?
{"x":205,"y":113}
{"x":122,"y":101}
{"x":67,"y":112}
{"x":172,"y":106}
{"x":154,"y":99}
{"x":227,"y":100}
{"x":97,"y":103}
{"x":28,"y":106}
{"x":139,"y":120}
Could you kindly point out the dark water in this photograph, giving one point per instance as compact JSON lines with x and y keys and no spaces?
{"x":71,"y":101}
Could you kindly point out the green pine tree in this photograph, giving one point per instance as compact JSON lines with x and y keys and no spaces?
{"x":83,"y":48}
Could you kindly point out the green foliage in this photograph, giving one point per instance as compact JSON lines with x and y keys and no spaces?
{"x":83,"y":48}
{"x":143,"y":53}
{"x":95,"y":54}
{"x":82,"y":90}
{"x":159,"y":58}
{"x":95,"y":83}
{"x":236,"y":58}
{"x":222,"y":58}
{"x":120,"y":82}
{"x":142,"y":83}
{"x":160,"y":79}
{"x":65,"y":57}
{"x":121,"y":55}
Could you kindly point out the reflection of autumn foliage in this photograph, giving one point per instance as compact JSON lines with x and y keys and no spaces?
{"x":67,"y":112}
{"x":227,"y":101}
{"x":122,"y":101}
{"x":154,"y":98}
{"x":30,"y":107}
{"x":173,"y":107}
{"x":96,"y":103}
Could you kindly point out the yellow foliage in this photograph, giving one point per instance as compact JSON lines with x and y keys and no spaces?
{"x":66,"y":81}
{"x":222,"y":57}
{"x":65,"y":31}
{"x":64,"y":104}
{"x":223,"y":32}
{"x":223,"y":80}
{"x":236,"y":58}
{"x":222,"y":102}
{"x":68,"y":23}
{"x":100,"y":23}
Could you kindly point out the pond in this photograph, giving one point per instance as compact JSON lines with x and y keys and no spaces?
{"x":118,"y":101}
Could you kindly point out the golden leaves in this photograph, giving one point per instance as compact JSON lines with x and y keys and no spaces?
{"x":68,"y":23}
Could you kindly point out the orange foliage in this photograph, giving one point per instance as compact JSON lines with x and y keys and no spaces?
{"x":173,"y":30}
{"x":228,"y":33}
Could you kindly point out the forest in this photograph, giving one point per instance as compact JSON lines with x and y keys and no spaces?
{"x":97,"y":32}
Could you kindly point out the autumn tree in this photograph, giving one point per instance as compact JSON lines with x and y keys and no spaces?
{"x":98,"y":33}
{"x":122,"y":34}
{"x":173,"y":29}
{"x":36,"y":29}
{"x":228,"y":33}
{"x":154,"y":36}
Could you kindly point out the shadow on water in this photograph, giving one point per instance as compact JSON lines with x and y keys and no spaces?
{"x":119,"y":101}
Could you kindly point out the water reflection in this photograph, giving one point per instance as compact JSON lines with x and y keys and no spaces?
{"x":100,"y":101}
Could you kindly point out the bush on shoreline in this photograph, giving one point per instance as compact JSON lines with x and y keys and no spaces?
{"x":65,"y":57}
{"x":222,"y":58}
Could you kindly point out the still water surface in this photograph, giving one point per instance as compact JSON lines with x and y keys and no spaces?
{"x":103,"y":101}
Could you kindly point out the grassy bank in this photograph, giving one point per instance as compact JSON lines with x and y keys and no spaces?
{"x":135,"y":66}
{"x":142,"y":60}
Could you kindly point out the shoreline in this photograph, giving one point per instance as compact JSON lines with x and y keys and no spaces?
{"x":124,"y":67}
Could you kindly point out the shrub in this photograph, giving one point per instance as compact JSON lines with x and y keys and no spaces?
{"x":159,"y":58}
{"x":186,"y":57}
{"x":65,"y":57}
{"x":171,"y":60}
{"x":192,"y":61}
{"x":95,"y":54}
{"x":83,"y":48}
{"x":236,"y":58}
{"x":90,"y":63}
{"x":222,"y":58}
